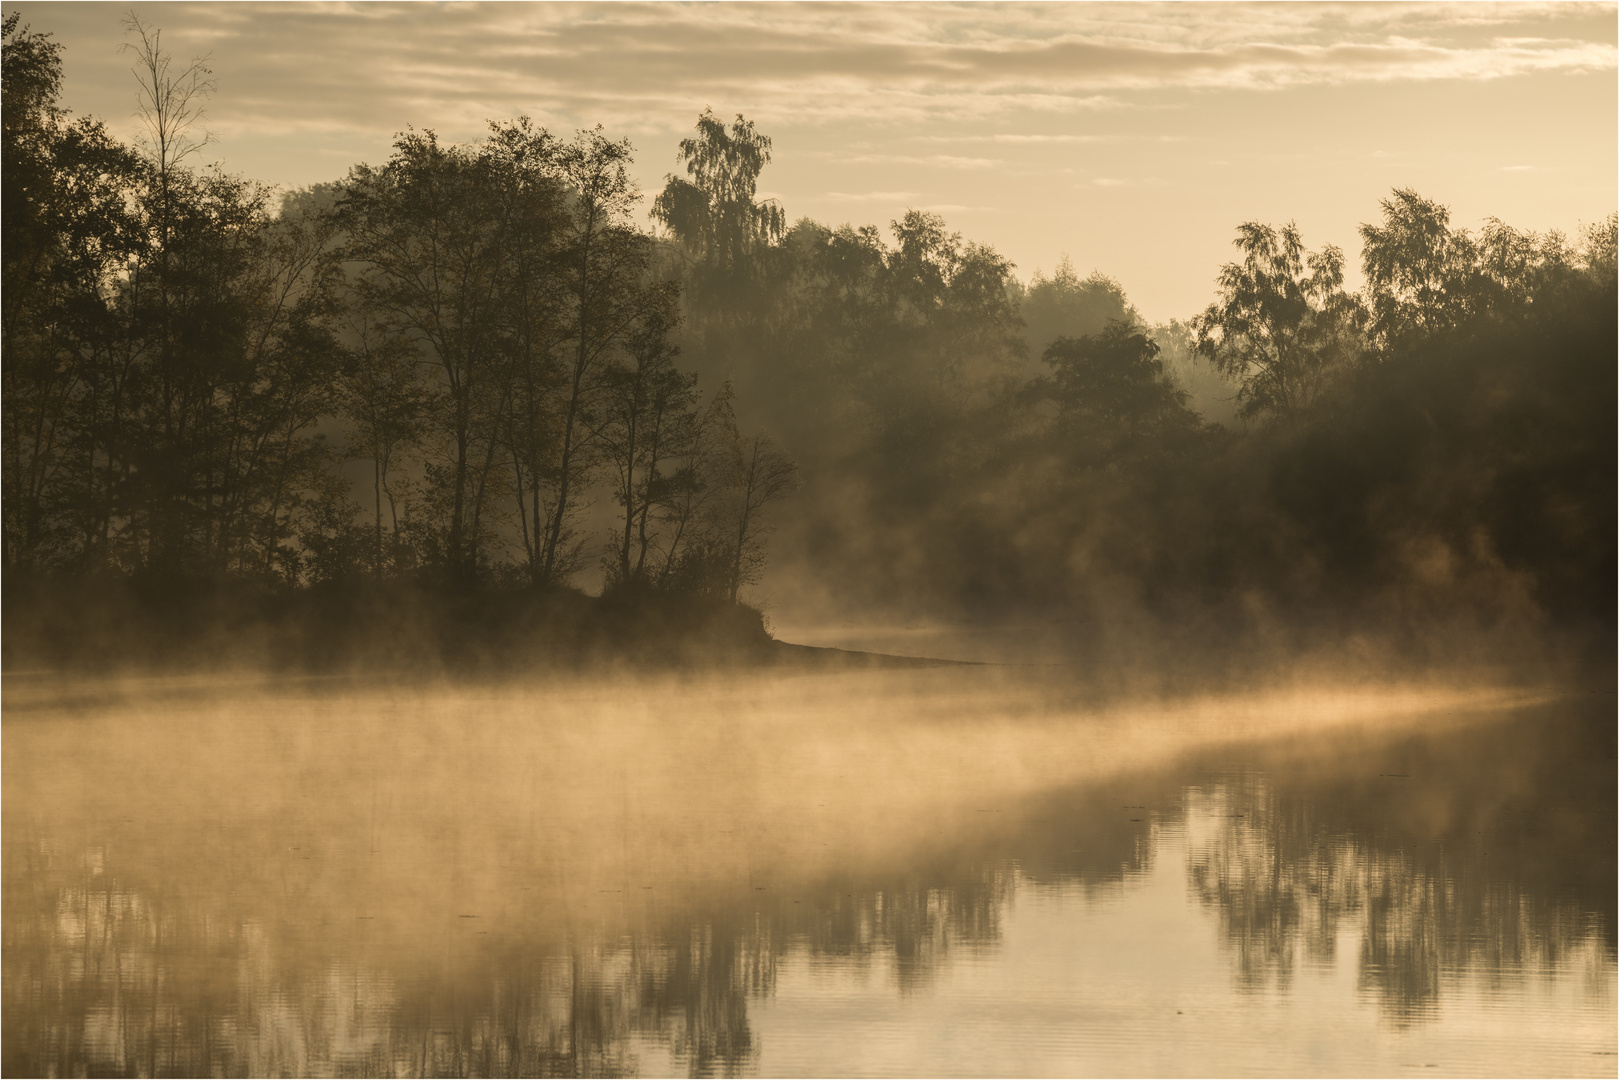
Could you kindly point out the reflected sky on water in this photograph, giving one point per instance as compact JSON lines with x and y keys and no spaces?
{"x":940,"y":873}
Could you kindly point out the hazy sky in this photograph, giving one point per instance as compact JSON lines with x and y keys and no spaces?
{"x":1133,"y":137}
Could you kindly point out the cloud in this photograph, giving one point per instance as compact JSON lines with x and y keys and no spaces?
{"x":325,"y":68}
{"x":1057,"y":138}
{"x":934,"y":161}
{"x":1123,"y":182}
{"x":867,"y":196}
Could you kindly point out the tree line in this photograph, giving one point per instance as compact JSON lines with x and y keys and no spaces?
{"x":196,"y":369}
{"x":191,"y":360}
{"x":1435,"y":445}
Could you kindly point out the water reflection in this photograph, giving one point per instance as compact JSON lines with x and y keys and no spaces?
{"x":1490,"y":853}
{"x":165,"y":944}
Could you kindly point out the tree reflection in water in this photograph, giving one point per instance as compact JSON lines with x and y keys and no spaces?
{"x":1488,"y":853}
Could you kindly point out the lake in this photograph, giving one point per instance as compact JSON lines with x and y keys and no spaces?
{"x":946,"y":871}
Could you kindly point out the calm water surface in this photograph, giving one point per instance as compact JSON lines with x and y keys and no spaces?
{"x":950,"y":872}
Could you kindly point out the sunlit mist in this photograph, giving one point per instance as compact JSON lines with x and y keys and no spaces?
{"x":846,"y":539}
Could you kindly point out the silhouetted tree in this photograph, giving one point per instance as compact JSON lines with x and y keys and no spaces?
{"x":1063,"y":305}
{"x":1112,"y":397}
{"x":1420,"y":276}
{"x":605,"y":262}
{"x":449,"y":238}
{"x":759,"y":474}
{"x":648,"y":412}
{"x":385,"y":397}
{"x":713,"y":215}
{"x":420,"y":226}
{"x":227,"y":362}
{"x":534,"y":315}
{"x":1280,"y":332}
{"x":1425,"y":279}
{"x":692,"y":559}
{"x":68,"y":231}
{"x":959,"y":296}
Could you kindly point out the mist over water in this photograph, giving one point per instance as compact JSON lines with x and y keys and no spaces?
{"x":499,"y":613}
{"x":947,"y":871}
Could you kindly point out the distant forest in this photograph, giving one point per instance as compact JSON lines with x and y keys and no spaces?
{"x":473,"y":368}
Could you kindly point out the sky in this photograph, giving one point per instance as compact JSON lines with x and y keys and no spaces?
{"x":1132,"y":138}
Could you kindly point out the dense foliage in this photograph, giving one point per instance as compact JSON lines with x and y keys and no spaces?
{"x":1433,"y":451}
{"x":197,"y":370}
{"x":192,"y":361}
